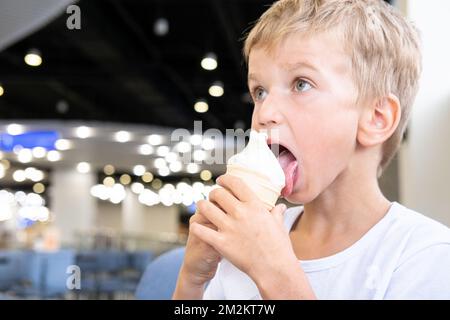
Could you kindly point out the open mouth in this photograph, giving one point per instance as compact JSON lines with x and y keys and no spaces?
{"x":289,"y":164}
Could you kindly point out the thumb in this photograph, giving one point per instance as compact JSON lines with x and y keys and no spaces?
{"x":278,"y":211}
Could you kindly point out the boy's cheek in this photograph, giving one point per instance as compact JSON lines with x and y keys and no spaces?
{"x":323,"y":157}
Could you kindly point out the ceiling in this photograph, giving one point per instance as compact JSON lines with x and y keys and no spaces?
{"x":116,"y":69}
{"x":116,"y":74}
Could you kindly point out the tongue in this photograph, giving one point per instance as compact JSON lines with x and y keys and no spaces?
{"x":289,"y":165}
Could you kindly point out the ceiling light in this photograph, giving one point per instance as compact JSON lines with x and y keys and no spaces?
{"x":205,"y":175}
{"x":19,"y":175}
{"x":164,"y":171}
{"x":20,"y":197}
{"x":109,"y":169}
{"x":155,"y":139}
{"x":122,"y":136}
{"x":137,"y":187}
{"x":38,"y":188}
{"x":171,"y":157}
{"x":15,"y":129}
{"x":162,"y":151}
{"x":53,"y":156}
{"x":196,"y":139}
{"x":63,"y":144}
{"x":109,"y":181}
{"x":138,"y":170}
{"x":161,"y":27}
{"x":169,"y":187}
{"x":83,"y":167}
{"x":201,"y":106}
{"x":209,"y":62}
{"x":37,"y":175}
{"x":62,"y":106}
{"x":183,"y":147}
{"x":208,"y":144}
{"x":2,"y":91}
{"x":156,"y":184}
{"x":34,"y":200}
{"x":160,"y":163}
{"x":192,"y":168}
{"x":117,"y":193}
{"x":125,"y":179}
{"x":145,"y":149}
{"x":167,"y":202}
{"x":33,"y":58}
{"x":199,"y":155}
{"x":25,"y":156}
{"x":147,"y":177}
{"x":198,"y":186}
{"x":17,"y":148}
{"x":216,"y":89}
{"x":34,"y":174}
{"x":175,"y":166}
{"x":83,"y":132}
{"x":39,"y":152}
{"x":100,"y":191}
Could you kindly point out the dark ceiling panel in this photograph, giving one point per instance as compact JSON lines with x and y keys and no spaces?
{"x":116,"y":69}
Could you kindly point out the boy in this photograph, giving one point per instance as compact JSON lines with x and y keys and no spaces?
{"x":336,"y":79}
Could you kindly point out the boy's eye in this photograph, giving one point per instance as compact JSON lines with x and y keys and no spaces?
{"x":302,"y":85}
{"x":259,"y":94}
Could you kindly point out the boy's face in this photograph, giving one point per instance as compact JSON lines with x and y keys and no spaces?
{"x":305,"y":91}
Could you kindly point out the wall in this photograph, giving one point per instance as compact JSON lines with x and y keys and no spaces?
{"x":131,"y":217}
{"x":71,"y":204}
{"x":425,"y":158}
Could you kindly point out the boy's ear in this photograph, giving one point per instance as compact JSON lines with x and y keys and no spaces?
{"x":378,"y":122}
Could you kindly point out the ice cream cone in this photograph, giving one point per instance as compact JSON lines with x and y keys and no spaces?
{"x":258,"y":167}
{"x":258,"y":183}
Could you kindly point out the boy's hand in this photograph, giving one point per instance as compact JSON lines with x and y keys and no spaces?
{"x":200,"y":260}
{"x":248,"y":235}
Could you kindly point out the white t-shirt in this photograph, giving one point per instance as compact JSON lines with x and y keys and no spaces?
{"x":404,"y":256}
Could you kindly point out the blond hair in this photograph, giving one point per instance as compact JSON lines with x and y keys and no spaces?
{"x":384,"y":47}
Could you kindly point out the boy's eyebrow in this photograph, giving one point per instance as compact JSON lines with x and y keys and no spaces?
{"x":301,"y":64}
{"x":251,"y":76}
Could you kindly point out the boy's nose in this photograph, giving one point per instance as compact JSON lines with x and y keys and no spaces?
{"x":268,"y":114}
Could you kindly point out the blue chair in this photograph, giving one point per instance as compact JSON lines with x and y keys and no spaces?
{"x":160,"y":277}
{"x":88,"y":261}
{"x":111,"y":265}
{"x":44,"y":274}
{"x":10,"y":269}
{"x":139,"y":261}
{"x":55,"y":276}
{"x":32,"y":275}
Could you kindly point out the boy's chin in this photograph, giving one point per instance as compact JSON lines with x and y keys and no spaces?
{"x":299,"y":197}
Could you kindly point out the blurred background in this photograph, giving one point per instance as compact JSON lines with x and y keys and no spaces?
{"x":91,"y":93}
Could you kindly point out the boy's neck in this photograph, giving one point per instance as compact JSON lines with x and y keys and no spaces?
{"x":352,"y":202}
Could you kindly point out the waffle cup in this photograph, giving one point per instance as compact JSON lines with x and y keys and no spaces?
{"x":258,"y":183}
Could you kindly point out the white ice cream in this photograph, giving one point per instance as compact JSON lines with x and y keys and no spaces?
{"x":257,"y":156}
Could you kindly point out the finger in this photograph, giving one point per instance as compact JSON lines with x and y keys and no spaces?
{"x":199,"y":218}
{"x":237,"y":187}
{"x":278,"y":211}
{"x":212,"y":213}
{"x":224,"y":199}
{"x":206,"y":234}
